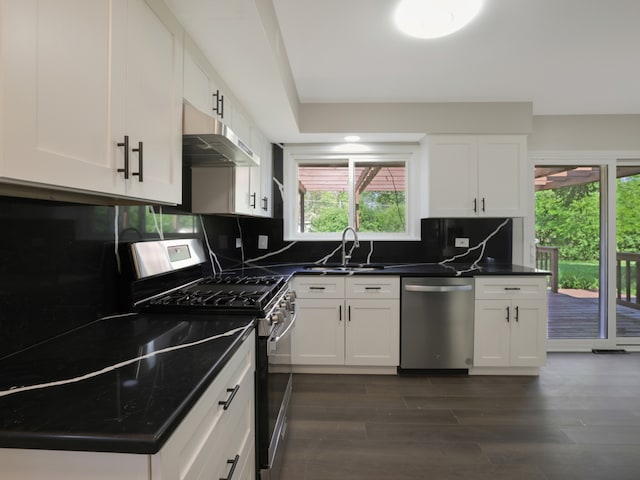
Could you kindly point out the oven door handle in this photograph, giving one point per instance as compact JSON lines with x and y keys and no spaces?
{"x":274,"y":339}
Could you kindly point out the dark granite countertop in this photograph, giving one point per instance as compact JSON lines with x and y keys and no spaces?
{"x":402,"y":269}
{"x":133,"y":408}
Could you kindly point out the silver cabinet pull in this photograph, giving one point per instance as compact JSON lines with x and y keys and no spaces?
{"x":437,"y":288}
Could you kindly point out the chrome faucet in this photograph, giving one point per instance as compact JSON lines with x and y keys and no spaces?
{"x":356,"y":243}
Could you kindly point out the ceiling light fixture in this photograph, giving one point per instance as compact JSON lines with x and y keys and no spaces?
{"x":435,"y":18}
{"x":351,"y":138}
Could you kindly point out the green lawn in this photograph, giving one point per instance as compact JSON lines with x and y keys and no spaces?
{"x":574,"y":274}
{"x":584,"y":275}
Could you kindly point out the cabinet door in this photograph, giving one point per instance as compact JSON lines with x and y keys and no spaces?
{"x":501,"y":179}
{"x":257,"y":205}
{"x":197,"y":86}
{"x":453,"y":176}
{"x":266,"y":177}
{"x":318,"y":337}
{"x":55,"y":94}
{"x":492,"y":330}
{"x":528,"y":333}
{"x":153,"y":101}
{"x":373,"y":332}
{"x":255,"y":189}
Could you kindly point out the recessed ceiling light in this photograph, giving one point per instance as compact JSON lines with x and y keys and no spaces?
{"x":435,"y":18}
{"x":351,"y":138}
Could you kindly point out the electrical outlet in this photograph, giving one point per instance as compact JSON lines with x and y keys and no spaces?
{"x":462,"y":242}
{"x":263,"y":242}
{"x":238,"y":242}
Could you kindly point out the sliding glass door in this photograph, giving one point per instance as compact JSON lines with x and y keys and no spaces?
{"x":627,"y":253}
{"x":569,"y":242}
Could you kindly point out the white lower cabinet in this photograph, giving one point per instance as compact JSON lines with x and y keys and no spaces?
{"x":208,"y":443}
{"x":353,"y":320}
{"x":216,"y":436}
{"x":510,"y":326}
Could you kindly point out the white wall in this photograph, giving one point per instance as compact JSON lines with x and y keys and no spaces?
{"x":585,"y":132}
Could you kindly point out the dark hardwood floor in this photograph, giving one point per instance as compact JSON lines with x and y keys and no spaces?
{"x":579,"y":420}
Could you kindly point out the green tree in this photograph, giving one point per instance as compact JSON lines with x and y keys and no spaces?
{"x":569,"y":218}
{"x":628,"y":214}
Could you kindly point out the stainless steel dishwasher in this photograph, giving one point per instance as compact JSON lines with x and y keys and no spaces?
{"x":436,"y":323}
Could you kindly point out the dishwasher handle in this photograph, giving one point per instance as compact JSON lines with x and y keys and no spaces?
{"x":412,"y":287}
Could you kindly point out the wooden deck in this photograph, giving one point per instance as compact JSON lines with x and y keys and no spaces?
{"x":574,"y":317}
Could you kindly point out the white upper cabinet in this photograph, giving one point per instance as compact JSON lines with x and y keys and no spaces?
{"x":197,"y":86}
{"x":79,"y":76}
{"x":153,"y":101}
{"x":266,"y":177}
{"x":476,"y":175}
{"x":221,"y":190}
{"x":241,"y":189}
{"x":261,"y":176}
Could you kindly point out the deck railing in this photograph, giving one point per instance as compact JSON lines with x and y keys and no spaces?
{"x":547,"y":259}
{"x":627,"y":279}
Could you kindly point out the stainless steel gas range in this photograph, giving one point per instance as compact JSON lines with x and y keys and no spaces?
{"x":168,"y":277}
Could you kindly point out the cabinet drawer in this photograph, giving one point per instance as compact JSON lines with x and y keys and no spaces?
{"x":202,"y":439}
{"x":234,"y":436}
{"x":319,"y":286}
{"x":372,"y":287}
{"x":534,"y":287}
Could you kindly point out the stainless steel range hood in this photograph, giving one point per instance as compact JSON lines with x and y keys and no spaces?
{"x":206,"y":141}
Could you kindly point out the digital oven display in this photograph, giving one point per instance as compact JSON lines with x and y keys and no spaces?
{"x":178,"y":253}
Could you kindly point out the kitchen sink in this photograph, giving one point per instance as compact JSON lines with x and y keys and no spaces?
{"x":346,"y":268}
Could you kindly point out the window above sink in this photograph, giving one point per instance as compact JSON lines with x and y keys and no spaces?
{"x":327,"y":189}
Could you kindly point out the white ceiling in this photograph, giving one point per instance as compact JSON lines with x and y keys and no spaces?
{"x":564,"y":56}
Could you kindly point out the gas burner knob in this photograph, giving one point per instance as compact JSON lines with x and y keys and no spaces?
{"x":291,"y":296}
{"x":285,"y":304}
{"x":277,"y":317}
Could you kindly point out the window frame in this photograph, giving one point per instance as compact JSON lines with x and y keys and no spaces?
{"x":318,"y":154}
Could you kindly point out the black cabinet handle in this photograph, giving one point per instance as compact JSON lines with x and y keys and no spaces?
{"x":253,"y":200}
{"x":265,"y":203}
{"x":517,"y":313}
{"x":373,"y":288}
{"x":339,"y":313}
{"x":507,"y":314}
{"x":475,"y":205}
{"x":349,"y":313}
{"x":316,"y":288}
{"x":234,"y":463}
{"x":218,"y":103}
{"x":140,"y":162}
{"x":125,"y":144}
{"x":227,"y":402}
{"x":512,"y":288}
{"x":483,"y":204}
